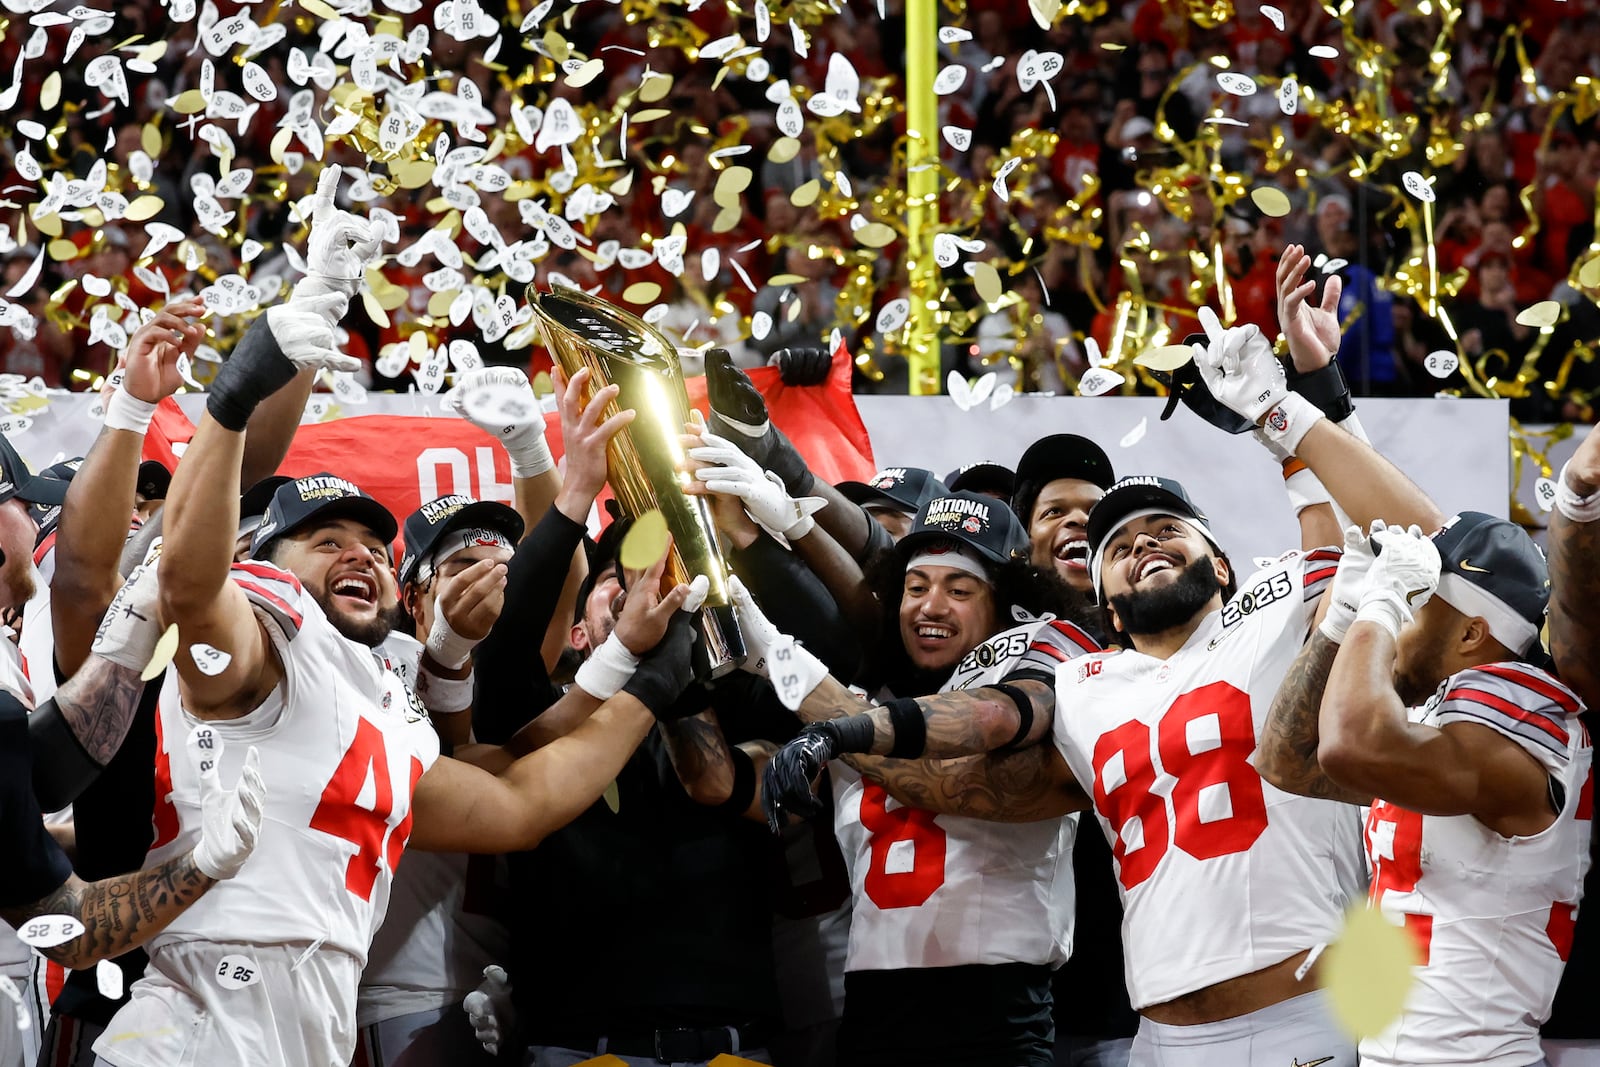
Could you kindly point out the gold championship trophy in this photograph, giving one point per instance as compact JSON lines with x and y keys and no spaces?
{"x":644,"y":460}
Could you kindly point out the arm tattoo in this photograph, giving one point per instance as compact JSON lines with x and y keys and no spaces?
{"x":699,"y":754}
{"x":970,"y":722}
{"x":1288,"y":746}
{"x":1575,"y":602}
{"x":118,"y":913}
{"x":1022,"y":786}
{"x":98,"y":705}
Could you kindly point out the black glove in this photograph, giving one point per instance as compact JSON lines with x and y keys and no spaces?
{"x":666,"y":670}
{"x":803,"y":366}
{"x":255,"y":370}
{"x":739,"y":413}
{"x":786,"y":786}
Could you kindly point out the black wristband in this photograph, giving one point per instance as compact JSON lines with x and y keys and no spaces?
{"x":62,"y":768}
{"x":744,"y":782}
{"x":255,"y":370}
{"x":1024,"y":713}
{"x":910,"y":729}
{"x":1326,"y":388}
{"x":853,"y":733}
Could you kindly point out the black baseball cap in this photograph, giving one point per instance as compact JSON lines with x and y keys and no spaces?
{"x":425,"y":526}
{"x":17,"y":481}
{"x":1060,"y":455}
{"x":154,"y":480}
{"x":253,"y":503}
{"x":904,"y":489}
{"x":319,"y":496}
{"x":1135,"y":495}
{"x":61,"y":471}
{"x":1491,"y":569}
{"x":984,"y":475}
{"x":982,"y":523}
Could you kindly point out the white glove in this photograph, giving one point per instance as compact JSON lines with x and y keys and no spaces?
{"x":1401,"y":580}
{"x":230,"y":820}
{"x":1349,"y":581}
{"x":1239,"y":368}
{"x":763,"y":494}
{"x":772,"y":654}
{"x":525,"y":443}
{"x":340,"y":248}
{"x":490,"y":1010}
{"x":130,"y":628}
{"x":304,"y":332}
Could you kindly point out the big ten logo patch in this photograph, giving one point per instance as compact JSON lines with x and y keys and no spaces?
{"x":443,"y":471}
{"x":1090,"y":668}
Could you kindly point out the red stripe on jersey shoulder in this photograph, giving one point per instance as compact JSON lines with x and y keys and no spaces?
{"x":269,"y":573}
{"x":1050,"y":650}
{"x":44,"y":548}
{"x":1076,"y":634}
{"x":1324,"y":555}
{"x":1490,"y":700}
{"x":1540,"y":683}
{"x":1322,"y":575}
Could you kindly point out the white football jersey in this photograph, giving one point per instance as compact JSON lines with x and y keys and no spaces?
{"x":1221,"y":875}
{"x":439,"y":933}
{"x":943,"y":890}
{"x":1493,"y":916}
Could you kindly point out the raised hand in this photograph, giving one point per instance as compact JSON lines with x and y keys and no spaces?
{"x":585,"y":433}
{"x":786,"y":785}
{"x":1350,"y":580}
{"x":304,"y":332}
{"x":727,"y":471}
{"x":341,"y":245}
{"x":1311,"y":329}
{"x":1239,"y":368}
{"x":1402,"y":578}
{"x":523,"y":439}
{"x":149,"y":365}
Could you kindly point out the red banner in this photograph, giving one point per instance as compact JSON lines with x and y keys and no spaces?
{"x":404,"y":461}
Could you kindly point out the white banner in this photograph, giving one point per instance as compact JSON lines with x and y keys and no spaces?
{"x":1455,"y":450}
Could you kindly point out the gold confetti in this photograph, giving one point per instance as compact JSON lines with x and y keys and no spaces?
{"x":645,"y":543}
{"x":876,"y":235}
{"x":415,"y":173}
{"x":1544,"y":313}
{"x":1589,"y":274}
{"x":806,"y":194}
{"x":143,"y":207}
{"x":374,"y":309}
{"x":164,"y":651}
{"x":1367,"y":972}
{"x":150,"y":139}
{"x":586,"y":73}
{"x":50,"y":91}
{"x":783,"y":150}
{"x":651,"y":114}
{"x":62,"y":250}
{"x":1165,"y":358}
{"x":642,"y":292}
{"x":612,"y":797}
{"x":655,"y":88}
{"x":987,"y":281}
{"x":1272,"y":201}
{"x":730,"y":184}
{"x":785,"y":279}
{"x":727,"y":219}
{"x":319,"y":9}
{"x":49,"y":225}
{"x":189,"y":102}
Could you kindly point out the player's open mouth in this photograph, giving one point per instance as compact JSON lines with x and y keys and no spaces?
{"x":357,"y":587}
{"x":1153,"y":565}
{"x":932,"y":635}
{"x":1074,"y":553}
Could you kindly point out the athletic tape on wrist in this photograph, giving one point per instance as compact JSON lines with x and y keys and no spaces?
{"x":1385,"y":609}
{"x":128,"y":412}
{"x":853,"y":733}
{"x":606,"y":670}
{"x":532,"y":459}
{"x":448,"y":648}
{"x":1576,"y":508}
{"x":443,"y":696}
{"x":1024,"y":713}
{"x":744,"y":782}
{"x":910,"y":729}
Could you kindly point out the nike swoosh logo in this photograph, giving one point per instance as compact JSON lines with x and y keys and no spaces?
{"x":1310,"y":1063}
{"x":1466,"y":565}
{"x":1410,"y":598}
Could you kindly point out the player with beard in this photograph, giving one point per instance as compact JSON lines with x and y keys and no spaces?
{"x":1214,"y":977}
{"x":1420,"y":695}
{"x":279,"y":654}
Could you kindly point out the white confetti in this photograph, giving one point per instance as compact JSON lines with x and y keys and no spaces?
{"x":958,"y":138}
{"x":1544,"y":490}
{"x":1418,"y":186}
{"x":1135,"y":435}
{"x":1323,"y":51}
{"x":1236,"y":84}
{"x":1289,"y":96}
{"x":1097,"y":381}
{"x":48,"y":931}
{"x":108,"y":979}
{"x":1441,"y":364}
{"x":1274,"y":16}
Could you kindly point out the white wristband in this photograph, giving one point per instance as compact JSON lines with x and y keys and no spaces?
{"x":607,"y":669}
{"x":1289,"y":420}
{"x":128,"y":412}
{"x":444,"y":696}
{"x":1576,"y":508}
{"x":530,"y":458}
{"x":448,"y":648}
{"x":1386,"y":609}
{"x":793,"y":671}
{"x":1306,"y":490}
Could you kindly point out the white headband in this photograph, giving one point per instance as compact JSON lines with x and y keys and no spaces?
{"x":458,"y":541}
{"x":1509,"y":628}
{"x":1143,"y":513}
{"x":958,"y":556}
